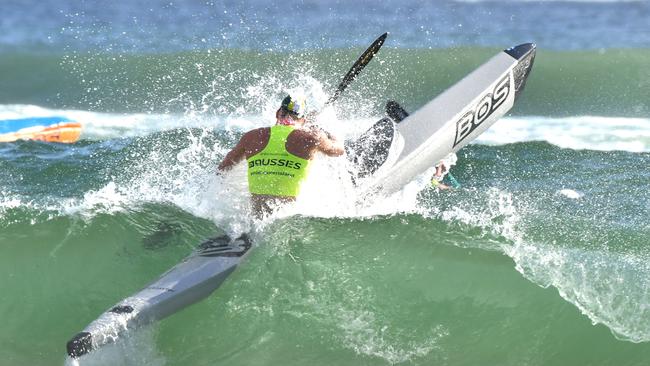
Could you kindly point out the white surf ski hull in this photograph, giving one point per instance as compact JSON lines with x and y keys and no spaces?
{"x":196,"y":277}
{"x":444,"y":125}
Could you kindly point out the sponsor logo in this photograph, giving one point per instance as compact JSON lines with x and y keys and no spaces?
{"x":275,"y":162}
{"x":489,"y":103}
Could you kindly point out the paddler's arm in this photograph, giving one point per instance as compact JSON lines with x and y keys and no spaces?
{"x":237,"y":154}
{"x":328,"y":144}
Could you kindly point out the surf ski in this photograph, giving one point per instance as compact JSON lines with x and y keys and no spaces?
{"x":401,"y":146}
{"x":190,"y":281}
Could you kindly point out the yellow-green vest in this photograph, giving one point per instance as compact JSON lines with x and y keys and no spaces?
{"x":274,"y":171}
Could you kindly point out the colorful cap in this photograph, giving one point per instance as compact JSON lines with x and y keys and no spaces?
{"x":295,"y":106}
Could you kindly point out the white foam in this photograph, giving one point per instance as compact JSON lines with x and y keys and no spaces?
{"x":570,"y":193}
{"x":8,"y":201}
{"x":584,"y":132}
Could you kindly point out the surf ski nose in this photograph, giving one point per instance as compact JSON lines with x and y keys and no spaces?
{"x":525,"y":56}
{"x":522,"y":50}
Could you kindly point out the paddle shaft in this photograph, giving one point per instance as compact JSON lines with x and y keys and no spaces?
{"x":361,"y":62}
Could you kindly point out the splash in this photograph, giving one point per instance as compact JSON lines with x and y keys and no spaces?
{"x":365,"y":334}
{"x":570,"y":193}
{"x":136,"y":349}
{"x":180,"y":168}
{"x":610,"y":289}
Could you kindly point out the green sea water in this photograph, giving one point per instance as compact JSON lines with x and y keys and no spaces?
{"x":511,"y":269}
{"x":541,"y":258}
{"x":612,"y":82}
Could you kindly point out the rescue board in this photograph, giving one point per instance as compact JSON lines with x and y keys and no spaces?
{"x":49,"y":129}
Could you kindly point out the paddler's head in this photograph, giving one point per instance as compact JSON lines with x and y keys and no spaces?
{"x":292,"y":111}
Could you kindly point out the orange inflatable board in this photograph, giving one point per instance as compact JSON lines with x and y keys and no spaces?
{"x":50,"y":129}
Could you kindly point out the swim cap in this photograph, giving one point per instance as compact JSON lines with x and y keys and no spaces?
{"x":294,"y":106}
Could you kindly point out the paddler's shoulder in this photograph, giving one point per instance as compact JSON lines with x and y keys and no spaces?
{"x":308,"y":132}
{"x":257,"y":134}
{"x":254,"y":140}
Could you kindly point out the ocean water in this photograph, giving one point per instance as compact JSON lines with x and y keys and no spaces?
{"x":541,"y":258}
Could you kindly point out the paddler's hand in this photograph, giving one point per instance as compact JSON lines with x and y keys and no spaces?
{"x":310,"y":118}
{"x":310,"y":123}
{"x":319,"y":129}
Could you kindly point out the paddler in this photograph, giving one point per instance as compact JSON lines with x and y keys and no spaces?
{"x":442,"y":169}
{"x":279,"y":156}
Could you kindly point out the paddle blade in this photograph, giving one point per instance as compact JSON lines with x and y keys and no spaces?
{"x":362,"y":61}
